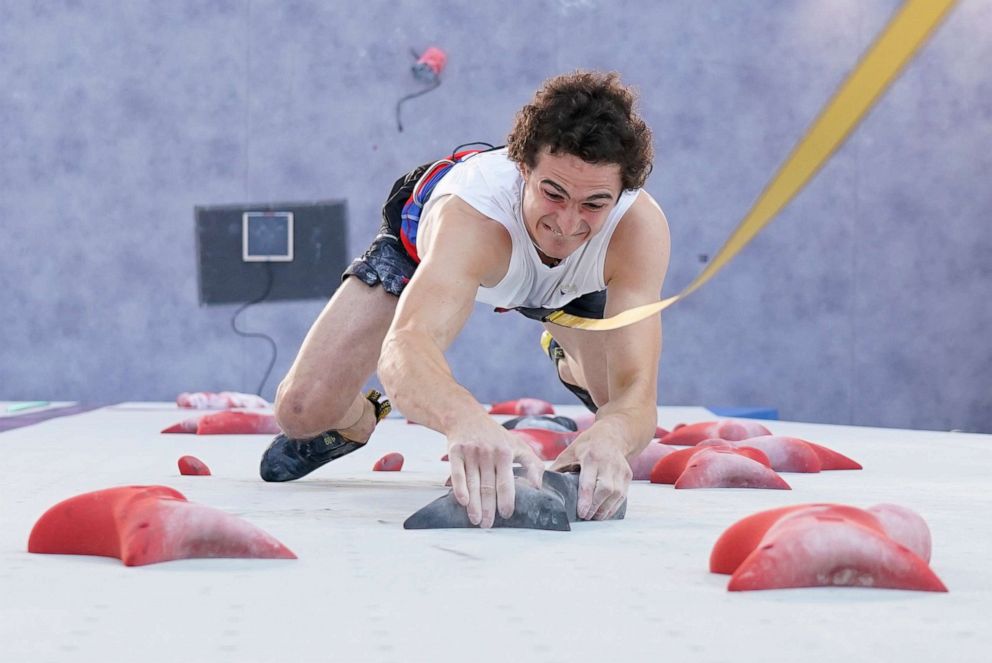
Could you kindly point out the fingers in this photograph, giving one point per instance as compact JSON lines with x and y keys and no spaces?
{"x":532,"y":464}
{"x":600,"y":494}
{"x":505,"y":488}
{"x":474,"y":497}
{"x":458,"y":482}
{"x":609,"y":508}
{"x":487,"y":492}
{"x":587,"y":491}
{"x":535,"y":472}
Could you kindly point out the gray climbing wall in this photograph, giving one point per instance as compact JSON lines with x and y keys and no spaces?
{"x":865,"y":302}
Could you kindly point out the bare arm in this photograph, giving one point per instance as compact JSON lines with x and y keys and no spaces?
{"x":460,"y":250}
{"x":637,"y":261}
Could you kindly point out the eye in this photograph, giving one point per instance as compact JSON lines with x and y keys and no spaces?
{"x":552,"y":195}
{"x":594,"y":207}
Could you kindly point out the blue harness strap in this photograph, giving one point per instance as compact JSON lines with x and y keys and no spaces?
{"x":410,"y":217}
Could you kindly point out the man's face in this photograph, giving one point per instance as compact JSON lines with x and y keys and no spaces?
{"x":566,"y":201}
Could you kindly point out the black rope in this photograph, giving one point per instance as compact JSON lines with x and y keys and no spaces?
{"x":475,"y":142}
{"x":414,"y":95}
{"x":272,"y":343}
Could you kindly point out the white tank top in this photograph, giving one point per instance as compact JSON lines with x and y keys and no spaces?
{"x":492,"y":184}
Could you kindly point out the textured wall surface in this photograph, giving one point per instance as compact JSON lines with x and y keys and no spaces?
{"x":865,"y":302}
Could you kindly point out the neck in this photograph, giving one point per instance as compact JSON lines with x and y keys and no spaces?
{"x":545,"y":258}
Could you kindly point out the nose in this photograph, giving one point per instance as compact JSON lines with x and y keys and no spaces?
{"x":570,"y":220}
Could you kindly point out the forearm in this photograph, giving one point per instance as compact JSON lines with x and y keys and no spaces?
{"x":628,"y":420}
{"x":418,"y":380}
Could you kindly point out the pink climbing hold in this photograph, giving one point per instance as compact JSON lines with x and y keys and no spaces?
{"x":671,"y":466}
{"x":391,"y":462}
{"x":193,"y":466}
{"x":147,"y":524}
{"x":225,"y":400}
{"x":445,"y":458}
{"x":727,"y":468}
{"x":523,"y":407}
{"x":730,"y":429}
{"x":786,"y":454}
{"x":641,"y":464}
{"x":804,"y":549}
{"x":905,"y":527}
{"x":815,"y":545}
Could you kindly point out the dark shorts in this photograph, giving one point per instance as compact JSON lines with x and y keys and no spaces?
{"x":387,"y":263}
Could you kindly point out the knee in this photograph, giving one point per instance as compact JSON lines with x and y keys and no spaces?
{"x":307,"y":410}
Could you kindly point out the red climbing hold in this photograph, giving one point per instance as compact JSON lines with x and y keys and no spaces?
{"x":185,"y":426}
{"x":523,"y":407}
{"x":786,"y":454}
{"x":814,"y":545}
{"x":193,"y":466}
{"x":229,"y":422}
{"x":145,"y":525}
{"x":713,"y":467}
{"x":238,"y":423}
{"x":725,"y":430}
{"x":831,"y":460}
{"x":670,"y":467}
{"x":391,"y":462}
{"x":547,"y":444}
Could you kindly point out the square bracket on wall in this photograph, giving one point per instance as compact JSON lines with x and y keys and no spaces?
{"x":303,"y":244}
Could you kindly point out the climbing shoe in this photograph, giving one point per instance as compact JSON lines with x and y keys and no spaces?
{"x":287,"y":459}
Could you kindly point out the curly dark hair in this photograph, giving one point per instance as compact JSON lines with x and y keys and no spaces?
{"x":587,"y":114}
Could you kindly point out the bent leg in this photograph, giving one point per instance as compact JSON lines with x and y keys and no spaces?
{"x":584,"y":363}
{"x":321,"y":392}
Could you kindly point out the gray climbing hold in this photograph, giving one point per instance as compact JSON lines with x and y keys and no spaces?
{"x":551,"y":508}
{"x":558,"y":424}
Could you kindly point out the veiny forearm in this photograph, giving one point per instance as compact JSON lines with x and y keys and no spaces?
{"x":418,"y":380}
{"x":628,"y":420}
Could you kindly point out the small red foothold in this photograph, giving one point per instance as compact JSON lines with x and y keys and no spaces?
{"x":391,"y":462}
{"x":445,"y":458}
{"x":193,"y":466}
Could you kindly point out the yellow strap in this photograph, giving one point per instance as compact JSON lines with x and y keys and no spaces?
{"x":902,"y":37}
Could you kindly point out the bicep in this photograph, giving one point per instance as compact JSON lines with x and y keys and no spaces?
{"x":441,"y":295}
{"x":436,"y":303}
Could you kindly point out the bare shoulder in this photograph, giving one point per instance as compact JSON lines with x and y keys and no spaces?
{"x":459,"y":236}
{"x":641,"y":244}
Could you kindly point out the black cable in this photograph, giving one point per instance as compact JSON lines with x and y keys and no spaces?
{"x":475,"y":142}
{"x":234,"y":326}
{"x":414,"y":95}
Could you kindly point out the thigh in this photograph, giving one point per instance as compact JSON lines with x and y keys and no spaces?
{"x":586,"y":359}
{"x":342,"y":347}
